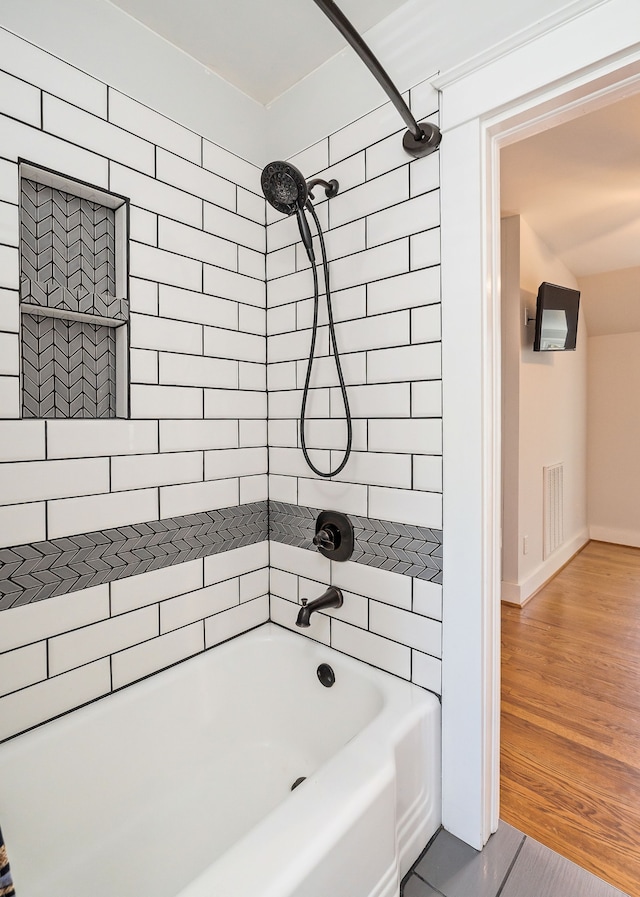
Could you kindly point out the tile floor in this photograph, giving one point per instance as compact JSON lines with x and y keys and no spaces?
{"x":511,"y":865}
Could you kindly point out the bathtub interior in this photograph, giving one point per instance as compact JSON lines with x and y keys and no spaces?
{"x":163,"y":778}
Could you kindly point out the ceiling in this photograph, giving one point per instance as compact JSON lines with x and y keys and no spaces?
{"x":257,"y":46}
{"x":578,"y":186}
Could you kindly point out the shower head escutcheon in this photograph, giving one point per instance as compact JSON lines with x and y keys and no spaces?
{"x":330,"y":187}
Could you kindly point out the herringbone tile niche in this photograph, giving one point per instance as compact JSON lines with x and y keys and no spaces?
{"x":74,"y":310}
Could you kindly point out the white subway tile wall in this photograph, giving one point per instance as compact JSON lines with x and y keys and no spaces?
{"x":198,"y":358}
{"x":208,"y":280}
{"x":383,"y":242}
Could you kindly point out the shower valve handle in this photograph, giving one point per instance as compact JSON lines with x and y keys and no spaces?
{"x":325,"y":538}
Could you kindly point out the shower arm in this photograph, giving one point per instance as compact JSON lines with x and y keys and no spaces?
{"x":422,"y":138}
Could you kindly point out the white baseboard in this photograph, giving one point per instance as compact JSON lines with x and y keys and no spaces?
{"x":615,"y":536}
{"x":510,"y":592}
{"x":519,"y":593}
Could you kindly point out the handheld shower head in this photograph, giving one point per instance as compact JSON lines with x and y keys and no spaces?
{"x":286,"y":189}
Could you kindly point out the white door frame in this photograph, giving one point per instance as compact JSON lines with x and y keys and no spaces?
{"x":586,"y":62}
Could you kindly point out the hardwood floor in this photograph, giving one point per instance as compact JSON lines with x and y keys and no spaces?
{"x":570,"y":740}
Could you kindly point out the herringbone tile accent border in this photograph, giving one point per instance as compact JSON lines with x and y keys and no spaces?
{"x":44,"y":569}
{"x":399,"y":547}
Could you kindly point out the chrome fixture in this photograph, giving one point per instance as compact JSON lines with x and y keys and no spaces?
{"x":331,"y":598}
{"x":287,"y":191}
{"x":334,"y":536}
{"x":422,"y":138}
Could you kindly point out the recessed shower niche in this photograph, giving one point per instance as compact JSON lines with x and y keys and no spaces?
{"x":73,"y":298}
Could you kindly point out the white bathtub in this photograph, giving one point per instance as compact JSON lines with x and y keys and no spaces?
{"x":180,"y":785}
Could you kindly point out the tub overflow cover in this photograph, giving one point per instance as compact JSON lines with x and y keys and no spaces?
{"x":326,"y":675}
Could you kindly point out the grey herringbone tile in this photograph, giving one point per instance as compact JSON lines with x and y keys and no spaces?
{"x":67,"y":239}
{"x":45,"y":569}
{"x":68,"y":368}
{"x":400,"y":548}
{"x":67,"y":259}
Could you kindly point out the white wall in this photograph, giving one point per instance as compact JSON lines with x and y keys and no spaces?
{"x":383,"y":240}
{"x":610,"y":301}
{"x":551,"y":428}
{"x":196,"y":440}
{"x":100,"y":39}
{"x":614,"y":437}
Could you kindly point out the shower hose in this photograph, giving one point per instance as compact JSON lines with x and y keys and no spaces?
{"x":334,"y":350}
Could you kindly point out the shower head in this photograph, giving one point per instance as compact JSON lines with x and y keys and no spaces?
{"x":284,"y":187}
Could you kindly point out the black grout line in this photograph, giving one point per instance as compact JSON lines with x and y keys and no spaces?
{"x":107,"y":120}
{"x":186,"y":192}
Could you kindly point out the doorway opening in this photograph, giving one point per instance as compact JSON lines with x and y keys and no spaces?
{"x":497,"y":103}
{"x":570,"y":720}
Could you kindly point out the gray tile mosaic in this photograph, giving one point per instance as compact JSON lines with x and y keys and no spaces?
{"x":67,"y":368}
{"x":80,"y":301}
{"x":67,"y":240}
{"x":398,"y":547}
{"x":44,"y":569}
{"x":68,"y":263}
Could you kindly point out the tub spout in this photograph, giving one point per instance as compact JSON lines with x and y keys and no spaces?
{"x":331,"y":598}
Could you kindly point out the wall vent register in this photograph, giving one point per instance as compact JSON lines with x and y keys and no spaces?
{"x":73,"y":298}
